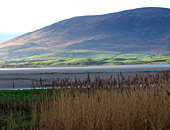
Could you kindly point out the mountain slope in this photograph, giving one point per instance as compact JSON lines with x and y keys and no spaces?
{"x":143,"y":29}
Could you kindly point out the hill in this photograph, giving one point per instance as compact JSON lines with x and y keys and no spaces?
{"x":137,"y":30}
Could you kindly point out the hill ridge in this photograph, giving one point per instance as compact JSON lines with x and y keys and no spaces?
{"x":146,"y":29}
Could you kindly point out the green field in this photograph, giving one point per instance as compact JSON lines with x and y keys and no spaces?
{"x":18,"y":113}
{"x":87,"y":57}
{"x":21,"y":95}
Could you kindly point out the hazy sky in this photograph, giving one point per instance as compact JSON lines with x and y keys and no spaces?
{"x":29,"y":15}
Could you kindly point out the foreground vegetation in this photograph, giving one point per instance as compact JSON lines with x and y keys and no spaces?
{"x":140,"y":102}
{"x":87,"y":57}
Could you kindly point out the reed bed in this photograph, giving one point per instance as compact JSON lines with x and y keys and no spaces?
{"x":141,"y":102}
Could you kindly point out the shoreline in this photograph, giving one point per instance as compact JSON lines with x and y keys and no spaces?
{"x":22,"y":78}
{"x":91,"y":67}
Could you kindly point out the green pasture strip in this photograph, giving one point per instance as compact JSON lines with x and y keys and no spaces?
{"x":71,"y":54}
{"x":90,"y":61}
{"x":68,"y":57}
{"x":17,"y":94}
{"x":23,"y":95}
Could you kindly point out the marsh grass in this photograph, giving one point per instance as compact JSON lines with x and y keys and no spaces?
{"x":140,"y":102}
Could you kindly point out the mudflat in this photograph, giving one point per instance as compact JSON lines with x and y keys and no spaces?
{"x":22,"y":78}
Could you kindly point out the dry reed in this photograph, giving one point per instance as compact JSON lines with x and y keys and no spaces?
{"x":141,"y":102}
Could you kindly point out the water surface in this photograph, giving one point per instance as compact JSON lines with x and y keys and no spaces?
{"x":91,"y":67}
{"x":23,"y":77}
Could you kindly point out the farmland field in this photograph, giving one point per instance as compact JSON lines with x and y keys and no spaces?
{"x":84,"y":58}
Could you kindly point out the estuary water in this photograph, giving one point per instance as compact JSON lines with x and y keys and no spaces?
{"x":92,"y":67}
{"x":21,"y":78}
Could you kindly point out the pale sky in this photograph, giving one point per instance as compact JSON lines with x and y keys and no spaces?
{"x":29,"y":15}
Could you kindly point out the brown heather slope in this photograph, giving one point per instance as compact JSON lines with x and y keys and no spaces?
{"x":143,"y":29}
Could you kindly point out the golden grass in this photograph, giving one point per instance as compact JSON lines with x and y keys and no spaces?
{"x":144,"y":106}
{"x":139,"y":110}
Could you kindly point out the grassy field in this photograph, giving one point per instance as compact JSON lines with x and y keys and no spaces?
{"x":87,"y":57}
{"x":140,"y":102}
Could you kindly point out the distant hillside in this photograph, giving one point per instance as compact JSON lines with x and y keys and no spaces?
{"x":143,"y":29}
